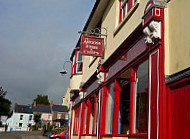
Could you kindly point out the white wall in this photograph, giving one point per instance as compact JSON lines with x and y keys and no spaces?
{"x":14,"y":121}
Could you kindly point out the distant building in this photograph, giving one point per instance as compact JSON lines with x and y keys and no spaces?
{"x":3,"y":120}
{"x":59,"y":115}
{"x":45,"y":111}
{"x":23,"y":116}
{"x":21,"y":119}
{"x":66,"y":98}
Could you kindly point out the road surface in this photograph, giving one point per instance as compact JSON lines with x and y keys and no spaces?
{"x":21,"y":135}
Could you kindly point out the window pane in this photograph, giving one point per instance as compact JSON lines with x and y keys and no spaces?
{"x":79,"y":67}
{"x":124,"y":108}
{"x":85,"y":118}
{"x":79,"y":57}
{"x":109,"y":110}
{"x":142,"y":98}
{"x":91,"y":118}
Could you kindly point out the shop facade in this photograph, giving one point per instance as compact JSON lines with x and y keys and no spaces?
{"x":131,"y":92}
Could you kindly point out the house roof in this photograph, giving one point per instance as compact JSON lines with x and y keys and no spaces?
{"x":59,"y":108}
{"x":22,"y":109}
{"x":42,"y":108}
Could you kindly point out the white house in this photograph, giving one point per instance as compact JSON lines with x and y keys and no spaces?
{"x":21,"y":119}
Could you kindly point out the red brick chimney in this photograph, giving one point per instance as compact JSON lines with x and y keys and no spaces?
{"x":34,"y":104}
{"x":51,"y":103}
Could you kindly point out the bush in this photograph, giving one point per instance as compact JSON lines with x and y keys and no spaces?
{"x":34,"y":127}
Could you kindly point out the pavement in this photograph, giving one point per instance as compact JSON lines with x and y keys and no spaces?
{"x":22,"y":135}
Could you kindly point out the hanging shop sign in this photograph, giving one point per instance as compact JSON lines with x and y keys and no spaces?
{"x":92,"y":46}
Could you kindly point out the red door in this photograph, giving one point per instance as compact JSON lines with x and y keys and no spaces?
{"x":179,"y":109}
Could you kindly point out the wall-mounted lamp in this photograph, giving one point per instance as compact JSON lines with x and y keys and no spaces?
{"x":63,"y":72}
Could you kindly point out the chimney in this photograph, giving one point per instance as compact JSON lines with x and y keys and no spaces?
{"x":51,"y":103}
{"x":34,"y":104}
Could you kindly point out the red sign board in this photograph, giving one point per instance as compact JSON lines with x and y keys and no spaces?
{"x":92,"y":46}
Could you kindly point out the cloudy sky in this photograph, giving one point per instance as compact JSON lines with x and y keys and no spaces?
{"x":36,"y":38}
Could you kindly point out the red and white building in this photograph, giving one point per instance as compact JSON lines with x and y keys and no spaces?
{"x":140,"y":86}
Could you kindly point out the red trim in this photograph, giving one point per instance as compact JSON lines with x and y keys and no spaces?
{"x":154,"y":90}
{"x":117,"y":90}
{"x":129,"y":5}
{"x":120,"y":12}
{"x":125,"y":135}
{"x":103,"y":110}
{"x":163,"y":94}
{"x":132,"y":101}
{"x":88,"y":116}
{"x":74,"y":63}
{"x":95,"y":116}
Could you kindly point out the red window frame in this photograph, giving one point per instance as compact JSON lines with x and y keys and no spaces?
{"x":125,"y":5}
{"x":117,"y":90}
{"x":76,"y":62}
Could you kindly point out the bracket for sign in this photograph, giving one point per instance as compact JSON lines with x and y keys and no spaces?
{"x":95,"y":32}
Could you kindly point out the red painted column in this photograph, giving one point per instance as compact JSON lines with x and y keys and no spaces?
{"x":88,"y":116}
{"x":162,"y":83}
{"x":102,"y":112}
{"x":154,"y":93}
{"x":132,"y":101}
{"x":117,"y":90}
{"x":81,"y":124}
{"x":95,"y":116}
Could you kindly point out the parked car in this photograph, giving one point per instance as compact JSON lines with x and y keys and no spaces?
{"x":61,"y":135}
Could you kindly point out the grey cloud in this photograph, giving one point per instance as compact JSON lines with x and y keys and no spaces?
{"x":36,"y":37}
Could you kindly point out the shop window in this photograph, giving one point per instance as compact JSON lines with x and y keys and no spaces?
{"x":125,"y":6}
{"x":141,"y":122}
{"x":109,"y":109}
{"x":91,"y":117}
{"x":77,"y":63}
{"x":124,"y":107}
{"x":85,"y":118}
{"x":76,"y":121}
